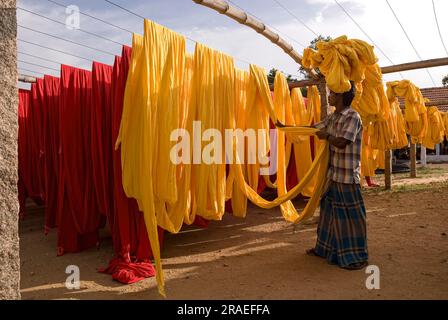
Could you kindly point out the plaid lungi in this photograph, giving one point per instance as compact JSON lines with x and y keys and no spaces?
{"x":341,"y":233}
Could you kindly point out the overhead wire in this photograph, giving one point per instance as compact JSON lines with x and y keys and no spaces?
{"x":56,"y":50}
{"x":66,"y":40}
{"x":270,"y":26}
{"x":37,"y":65}
{"x":365,"y":33}
{"x":93,"y":17}
{"x":187,"y":37}
{"x":438,"y":27}
{"x":37,"y":57}
{"x":409,"y":39}
{"x":296,"y":17}
{"x":77,"y":29}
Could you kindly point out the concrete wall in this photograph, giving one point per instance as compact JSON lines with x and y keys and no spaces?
{"x":9,"y":207}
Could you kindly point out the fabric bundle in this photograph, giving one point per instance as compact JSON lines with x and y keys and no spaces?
{"x":415,"y":111}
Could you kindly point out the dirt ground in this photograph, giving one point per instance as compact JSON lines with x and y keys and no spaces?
{"x":261,"y":257}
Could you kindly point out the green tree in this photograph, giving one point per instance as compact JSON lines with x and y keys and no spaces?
{"x":313,"y":45}
{"x":273,"y":72}
{"x":445,"y":81}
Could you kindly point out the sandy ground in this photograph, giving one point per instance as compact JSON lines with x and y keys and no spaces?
{"x":261,"y":257}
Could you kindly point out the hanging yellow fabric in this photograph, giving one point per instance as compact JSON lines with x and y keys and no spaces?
{"x":319,"y":166}
{"x":445,"y":122}
{"x":237,"y":120}
{"x":166,"y":90}
{"x":368,"y":157}
{"x":214,"y":95}
{"x":436,"y":130}
{"x":313,"y":100}
{"x":415,"y":110}
{"x":136,"y":147}
{"x":156,"y":72}
{"x":398,"y":126}
{"x":302,"y":116}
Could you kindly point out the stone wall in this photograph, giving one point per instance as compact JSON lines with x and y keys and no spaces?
{"x":9,"y":208}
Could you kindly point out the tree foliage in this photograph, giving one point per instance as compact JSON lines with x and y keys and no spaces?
{"x":445,"y":81}
{"x":273,"y":72}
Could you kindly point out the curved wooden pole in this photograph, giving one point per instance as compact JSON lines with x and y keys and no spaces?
{"x":240,"y":16}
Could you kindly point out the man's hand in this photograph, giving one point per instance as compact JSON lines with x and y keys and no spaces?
{"x":322,"y":134}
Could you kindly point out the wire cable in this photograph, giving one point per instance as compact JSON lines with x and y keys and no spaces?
{"x":409,"y":39}
{"x":57,"y":50}
{"x":37,"y":65}
{"x":93,"y":17}
{"x":78,"y":29}
{"x":438,"y":27}
{"x":28,"y":70}
{"x":37,"y":57}
{"x":295,"y":17}
{"x":270,"y":26}
{"x":192,"y":40}
{"x":66,"y":40}
{"x":365,"y":33}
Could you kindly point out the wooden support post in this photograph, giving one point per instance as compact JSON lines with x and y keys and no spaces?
{"x":388,"y":169}
{"x":423,"y":155}
{"x":323,"y":100}
{"x":413,"y":160}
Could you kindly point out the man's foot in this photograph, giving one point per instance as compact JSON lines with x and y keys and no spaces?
{"x":312,"y":252}
{"x":356,"y":266}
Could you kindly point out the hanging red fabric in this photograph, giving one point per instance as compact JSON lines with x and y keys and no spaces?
{"x":101,"y":138}
{"x":78,"y":214}
{"x":51,"y":138}
{"x":24,"y":156}
{"x":36,"y":143}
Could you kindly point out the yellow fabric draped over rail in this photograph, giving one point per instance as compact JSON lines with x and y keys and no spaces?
{"x":238,"y":118}
{"x":436,"y":129}
{"x":151,"y":111}
{"x":167,"y":93}
{"x":445,"y":122}
{"x":415,"y":111}
{"x":302,"y":116}
{"x":398,"y":126}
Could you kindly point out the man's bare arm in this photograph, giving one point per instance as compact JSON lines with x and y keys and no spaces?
{"x":338,"y":142}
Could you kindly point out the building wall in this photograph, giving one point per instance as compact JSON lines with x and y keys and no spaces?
{"x":9,"y":207}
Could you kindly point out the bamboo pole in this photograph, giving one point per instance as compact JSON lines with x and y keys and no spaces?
{"x":415,"y":65}
{"x":413,"y":160}
{"x":390,"y":69}
{"x":388,"y":169}
{"x":240,"y":16}
{"x":323,"y":100}
{"x":27,"y":79}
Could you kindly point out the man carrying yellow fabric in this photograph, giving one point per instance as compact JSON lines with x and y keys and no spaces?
{"x":341,"y":233}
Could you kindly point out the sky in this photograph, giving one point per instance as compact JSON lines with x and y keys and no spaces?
{"x":298,"y":24}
